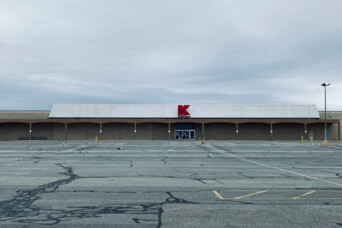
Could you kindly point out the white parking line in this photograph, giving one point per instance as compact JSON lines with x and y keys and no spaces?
{"x":272,"y":167}
{"x":18,"y":173}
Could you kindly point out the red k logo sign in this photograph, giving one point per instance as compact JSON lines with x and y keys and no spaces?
{"x":182,"y":112}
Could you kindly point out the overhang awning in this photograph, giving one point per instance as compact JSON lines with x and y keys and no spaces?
{"x":171,"y":111}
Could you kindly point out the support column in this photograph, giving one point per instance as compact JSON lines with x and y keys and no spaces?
{"x":100,"y":131}
{"x":271,"y":131}
{"x":135,"y":131}
{"x":169,"y":131}
{"x":339,"y":130}
{"x":203,"y":134}
{"x":30,"y":132}
{"x":305,"y":132}
{"x":237,"y":131}
{"x":65,"y":131}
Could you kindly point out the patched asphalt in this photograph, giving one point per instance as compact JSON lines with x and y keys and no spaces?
{"x":170,"y":184}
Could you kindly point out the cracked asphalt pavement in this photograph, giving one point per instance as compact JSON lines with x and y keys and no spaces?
{"x":170,"y":184}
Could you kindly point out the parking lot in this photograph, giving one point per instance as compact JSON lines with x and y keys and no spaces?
{"x":170,"y":184}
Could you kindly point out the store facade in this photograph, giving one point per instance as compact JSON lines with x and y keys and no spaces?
{"x":170,"y":122}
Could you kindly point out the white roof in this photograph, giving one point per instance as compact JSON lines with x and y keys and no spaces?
{"x":171,"y":111}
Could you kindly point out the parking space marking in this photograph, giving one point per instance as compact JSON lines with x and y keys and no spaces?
{"x":275,"y":199}
{"x":252,"y":194}
{"x":218,"y":195}
{"x":300,"y":197}
{"x":305,"y":194}
{"x":272,"y":167}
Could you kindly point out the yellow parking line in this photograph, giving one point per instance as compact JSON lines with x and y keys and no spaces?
{"x":305,"y":194}
{"x":252,"y":194}
{"x":218,"y":195}
{"x":300,"y":197}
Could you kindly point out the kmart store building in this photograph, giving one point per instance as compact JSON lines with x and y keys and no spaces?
{"x":169,"y":122}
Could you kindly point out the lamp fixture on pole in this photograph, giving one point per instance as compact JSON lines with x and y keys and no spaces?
{"x":325,"y":143}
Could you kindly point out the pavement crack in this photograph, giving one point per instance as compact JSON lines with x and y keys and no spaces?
{"x":203,"y":182}
{"x":20,"y":206}
{"x":172,"y":199}
{"x":21,"y":209}
{"x":164,"y":160}
{"x":218,"y":181}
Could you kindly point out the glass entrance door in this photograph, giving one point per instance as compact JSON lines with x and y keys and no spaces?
{"x":185,"y":134}
{"x":192,"y":134}
{"x":179,"y":134}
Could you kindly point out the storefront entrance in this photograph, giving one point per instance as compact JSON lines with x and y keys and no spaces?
{"x":185,"y":131}
{"x":185,"y":134}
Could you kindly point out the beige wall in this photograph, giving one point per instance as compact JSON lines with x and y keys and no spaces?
{"x":24,"y":115}
{"x":318,"y":131}
{"x":77,"y":131}
{"x":111,"y":131}
{"x":160,"y":131}
{"x":42,"y":131}
{"x":14,"y":131}
{"x":198,"y":128}
{"x":288,"y":131}
{"x":220,"y":131}
{"x":93,"y":131}
{"x":83,"y":131}
{"x":144,"y":131}
{"x":254,"y":131}
{"x":58,"y":131}
{"x":337,"y":115}
{"x":127,"y":131}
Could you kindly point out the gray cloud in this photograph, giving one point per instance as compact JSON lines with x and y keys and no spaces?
{"x":240,"y":52}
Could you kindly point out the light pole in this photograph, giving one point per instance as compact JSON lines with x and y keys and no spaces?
{"x":325,"y":143}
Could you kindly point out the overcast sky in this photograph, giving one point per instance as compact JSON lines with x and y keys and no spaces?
{"x":170,"y":52}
